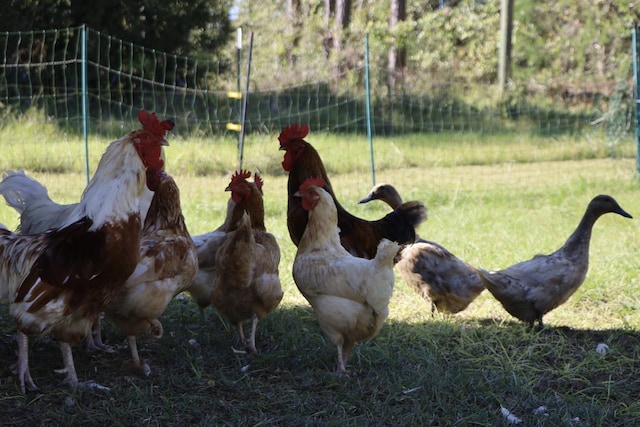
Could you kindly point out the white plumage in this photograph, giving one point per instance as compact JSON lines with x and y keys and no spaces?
{"x":349,"y":295}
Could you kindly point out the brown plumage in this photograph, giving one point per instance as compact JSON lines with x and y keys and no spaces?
{"x":447,"y":282}
{"x":207,"y":245}
{"x":532,"y":288}
{"x":168,"y":263}
{"x":359,"y":236}
{"x":244,"y":280}
{"x":60,"y":281}
{"x":38,"y":213}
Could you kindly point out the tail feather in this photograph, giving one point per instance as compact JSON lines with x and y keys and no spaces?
{"x":19,"y":190}
{"x":31,"y":200}
{"x":386,"y":253}
{"x":414,"y":211}
{"x":234,"y":260}
{"x":381,"y":288}
{"x":401,"y":223}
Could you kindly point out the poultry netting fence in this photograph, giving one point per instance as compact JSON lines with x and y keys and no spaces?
{"x":85,"y":80}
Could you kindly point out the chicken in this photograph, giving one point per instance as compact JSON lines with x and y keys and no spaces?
{"x":349,"y":295}
{"x":359,"y":236}
{"x":168,"y":263}
{"x":207,"y":245}
{"x":246,"y":283}
{"x":201,"y":287}
{"x":37,"y":211}
{"x":58,"y":282}
{"x":532,"y":288}
{"x":447,"y":282}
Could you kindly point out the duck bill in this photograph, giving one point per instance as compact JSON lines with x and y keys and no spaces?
{"x":622,"y":212}
{"x":366,"y":199}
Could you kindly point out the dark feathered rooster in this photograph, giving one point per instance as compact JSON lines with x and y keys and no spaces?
{"x":359,"y":236}
{"x":60,"y":281}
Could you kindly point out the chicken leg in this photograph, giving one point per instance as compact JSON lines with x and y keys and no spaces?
{"x":69,"y":367}
{"x":251,"y":344}
{"x":22,"y":365}
{"x":93,"y":340}
{"x":138,"y":365}
{"x":342,"y":369}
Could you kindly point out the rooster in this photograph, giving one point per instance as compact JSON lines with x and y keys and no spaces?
{"x":38,"y":213}
{"x":349,"y":295}
{"x":58,"y":282}
{"x":245,"y":280}
{"x":168,"y":263}
{"x":359,"y":236}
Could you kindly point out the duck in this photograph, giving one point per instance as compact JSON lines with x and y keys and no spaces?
{"x":530,"y":289}
{"x":447,"y":282}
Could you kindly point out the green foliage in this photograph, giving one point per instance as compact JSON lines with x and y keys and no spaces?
{"x":181,"y":27}
{"x":459,"y":43}
{"x":564,"y":50}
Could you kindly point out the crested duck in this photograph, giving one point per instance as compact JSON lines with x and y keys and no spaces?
{"x":447,"y":282}
{"x":532,"y":288}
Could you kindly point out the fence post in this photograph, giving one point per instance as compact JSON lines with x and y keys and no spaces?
{"x":636,"y":92}
{"x":239,"y":89}
{"x":368,"y":107}
{"x":244,"y":104}
{"x":85,"y":124}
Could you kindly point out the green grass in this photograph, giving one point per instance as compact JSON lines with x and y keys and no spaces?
{"x":492,"y":201}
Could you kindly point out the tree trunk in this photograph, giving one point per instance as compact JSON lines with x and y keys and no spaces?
{"x":342,"y":19}
{"x":397,"y":56}
{"x":295,"y":25}
{"x":327,"y":41}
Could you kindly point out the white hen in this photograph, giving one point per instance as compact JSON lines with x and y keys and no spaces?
{"x":349,"y":295}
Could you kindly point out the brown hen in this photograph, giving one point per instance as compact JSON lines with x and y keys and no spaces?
{"x":245,"y":283}
{"x":168,"y":263}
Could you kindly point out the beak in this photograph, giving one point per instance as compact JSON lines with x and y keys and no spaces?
{"x":623,"y":213}
{"x":297,"y":194}
{"x":367,"y":198}
{"x":164,"y":142}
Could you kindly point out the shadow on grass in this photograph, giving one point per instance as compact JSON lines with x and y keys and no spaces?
{"x":444,"y":371}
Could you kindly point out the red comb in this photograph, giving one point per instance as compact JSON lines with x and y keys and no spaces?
{"x":318,"y":182}
{"x":151,"y":124}
{"x":258,"y":181}
{"x":293,"y":131}
{"x":241,"y":174}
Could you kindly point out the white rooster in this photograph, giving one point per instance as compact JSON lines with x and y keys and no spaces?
{"x":38,"y":213}
{"x":60,"y":281}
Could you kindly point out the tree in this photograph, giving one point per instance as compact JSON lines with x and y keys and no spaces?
{"x":183,"y":27}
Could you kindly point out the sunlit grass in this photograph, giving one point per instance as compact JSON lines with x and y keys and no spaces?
{"x":492,"y":201}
